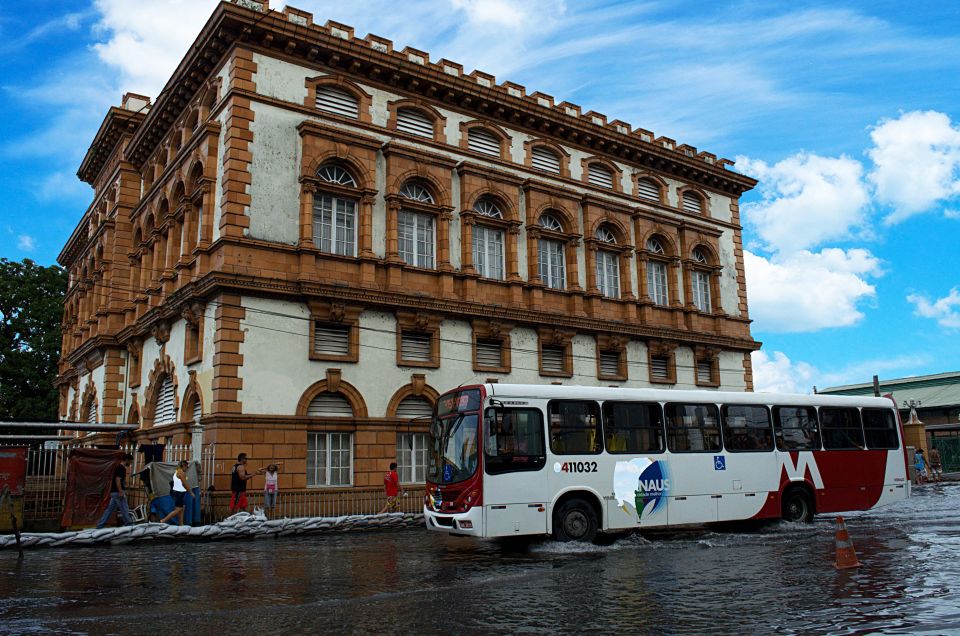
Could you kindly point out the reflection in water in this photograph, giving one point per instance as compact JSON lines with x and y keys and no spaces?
{"x":774,"y":578}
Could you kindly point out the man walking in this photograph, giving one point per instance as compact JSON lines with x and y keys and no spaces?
{"x":238,"y":484}
{"x":936,"y":467}
{"x":118,"y":494}
{"x":391,"y":486}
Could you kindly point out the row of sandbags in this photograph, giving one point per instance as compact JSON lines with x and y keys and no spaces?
{"x":240,"y":525}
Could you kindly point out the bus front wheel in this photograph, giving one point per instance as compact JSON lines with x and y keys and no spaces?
{"x":797,"y":506}
{"x":575,"y":521}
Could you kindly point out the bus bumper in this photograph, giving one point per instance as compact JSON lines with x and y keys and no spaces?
{"x":468,"y":523}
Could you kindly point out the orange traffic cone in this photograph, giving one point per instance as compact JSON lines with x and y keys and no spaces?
{"x":846,"y":555}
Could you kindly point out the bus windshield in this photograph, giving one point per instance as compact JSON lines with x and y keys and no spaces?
{"x":454,"y":449}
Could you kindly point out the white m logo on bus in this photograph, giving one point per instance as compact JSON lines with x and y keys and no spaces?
{"x":805,"y":461}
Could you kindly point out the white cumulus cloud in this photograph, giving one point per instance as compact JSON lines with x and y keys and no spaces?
{"x":26,"y":243}
{"x":946,"y":310}
{"x":776,"y":373}
{"x":808,"y":291}
{"x":806,"y":200}
{"x":916,"y":162}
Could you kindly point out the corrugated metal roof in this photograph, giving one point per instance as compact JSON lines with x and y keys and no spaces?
{"x":932,"y":391}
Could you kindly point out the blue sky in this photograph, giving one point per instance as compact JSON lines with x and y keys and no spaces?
{"x":848,"y":113}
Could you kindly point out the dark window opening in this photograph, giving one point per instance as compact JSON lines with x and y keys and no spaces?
{"x":633,"y":427}
{"x":574,"y":428}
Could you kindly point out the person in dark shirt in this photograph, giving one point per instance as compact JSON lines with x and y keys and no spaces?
{"x":239,"y":477}
{"x":118,"y":494}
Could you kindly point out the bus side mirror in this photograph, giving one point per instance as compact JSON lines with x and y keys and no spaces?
{"x":492,"y":415}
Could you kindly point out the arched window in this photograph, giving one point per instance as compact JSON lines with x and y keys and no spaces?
{"x":488,"y":252}
{"x":700,"y":280}
{"x":165,"y":411}
{"x":329,"y":455}
{"x":91,"y":411}
{"x":328,"y":404}
{"x":414,"y":122}
{"x":414,"y":406}
{"x":657,"y":287}
{"x":332,"y":99}
{"x":335,"y":212}
{"x":608,"y":264}
{"x":550,"y":254}
{"x":542,"y":158}
{"x":416,"y":230}
{"x":692,"y":202}
{"x":483,"y":141}
{"x":600,"y":176}
{"x":648,"y":189}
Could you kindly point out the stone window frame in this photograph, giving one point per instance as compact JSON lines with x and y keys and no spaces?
{"x":613,"y":343}
{"x":551,"y":337}
{"x":193,"y":319}
{"x":135,"y":369}
{"x":470,"y":218}
{"x":670,"y":260}
{"x":712,"y":268}
{"x":364,"y":99}
{"x":492,"y":330}
{"x":617,"y":173}
{"x":568,"y":237}
{"x":707,"y":354}
{"x":666,"y":350}
{"x":662,"y":186}
{"x":624,"y":253}
{"x":559,"y":150}
{"x":419,"y":322}
{"x":335,"y":313}
{"x":438,"y":119}
{"x":700,"y":194}
{"x":353,"y":193}
{"x":502,"y":135}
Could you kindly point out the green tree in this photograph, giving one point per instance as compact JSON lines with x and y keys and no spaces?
{"x":31,"y":309}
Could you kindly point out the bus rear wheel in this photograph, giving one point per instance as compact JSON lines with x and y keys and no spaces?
{"x":797,"y":506}
{"x":575,"y":521}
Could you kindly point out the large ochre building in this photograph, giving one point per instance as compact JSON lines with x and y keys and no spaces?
{"x":306,"y":237}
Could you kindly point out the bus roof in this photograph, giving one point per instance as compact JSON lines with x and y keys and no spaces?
{"x":573,"y":392}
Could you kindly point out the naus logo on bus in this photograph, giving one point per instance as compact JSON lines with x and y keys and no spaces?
{"x":643,"y":483}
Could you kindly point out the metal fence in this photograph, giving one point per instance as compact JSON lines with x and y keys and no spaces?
{"x":309,"y":502}
{"x":949,"y":448}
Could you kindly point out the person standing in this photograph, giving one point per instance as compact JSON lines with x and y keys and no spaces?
{"x":179,"y":491}
{"x":393,"y":490}
{"x":920,"y":464}
{"x":118,"y":494}
{"x":936,"y":466}
{"x":238,"y":484}
{"x":271,"y":486}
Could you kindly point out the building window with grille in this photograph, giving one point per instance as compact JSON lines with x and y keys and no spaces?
{"x":700,"y":281}
{"x":600,"y":176}
{"x":165,"y":411}
{"x":649,"y":190}
{"x":416,"y":230}
{"x":489,"y":355}
{"x":483,"y":141}
{"x":334,"y":341}
{"x":414,"y":122}
{"x":555,"y":359}
{"x":550,"y":253}
{"x":91,"y":411}
{"x":692,"y":202}
{"x":611,"y":365}
{"x":657,"y":287}
{"x":337,"y":101}
{"x":412,"y":457}
{"x":543,"y":158}
{"x":662,"y":368}
{"x":416,"y":348}
{"x":607,"y":265}
{"x":329,"y":459}
{"x":335,"y":212}
{"x":706,"y":372}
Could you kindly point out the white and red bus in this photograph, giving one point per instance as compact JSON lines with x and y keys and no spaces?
{"x":570,"y":461}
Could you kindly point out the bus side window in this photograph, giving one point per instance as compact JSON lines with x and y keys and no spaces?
{"x":633,"y":427}
{"x":880,"y":429}
{"x":841,"y":428}
{"x":796,"y":428}
{"x":574,"y":427}
{"x":747,"y":428}
{"x":693,"y":428}
{"x":515,"y":443}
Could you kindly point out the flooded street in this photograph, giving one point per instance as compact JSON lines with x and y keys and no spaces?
{"x":775,"y":578}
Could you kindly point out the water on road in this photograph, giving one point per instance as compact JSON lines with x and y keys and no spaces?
{"x":777,"y":578}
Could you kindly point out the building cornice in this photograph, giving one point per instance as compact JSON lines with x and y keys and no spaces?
{"x":118,"y":123}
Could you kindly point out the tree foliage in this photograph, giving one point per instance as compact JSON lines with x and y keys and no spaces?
{"x":31,"y":309}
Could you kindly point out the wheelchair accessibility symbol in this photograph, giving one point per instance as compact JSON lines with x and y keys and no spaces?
{"x":719,"y":462}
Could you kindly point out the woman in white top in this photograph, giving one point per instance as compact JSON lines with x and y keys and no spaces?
{"x":271,"y":485}
{"x":178,"y":491}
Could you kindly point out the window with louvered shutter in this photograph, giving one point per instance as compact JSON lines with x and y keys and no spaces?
{"x":610,"y":363}
{"x":92,"y":412}
{"x":704,"y":372}
{"x":545,"y":159}
{"x":659,"y":368}
{"x":692,"y":203}
{"x":482,"y":141}
{"x":552,"y":359}
{"x":414,"y":122}
{"x":337,"y":101}
{"x":648,"y":189}
{"x":165,"y":411}
{"x":490,"y":354}
{"x":414,"y":406}
{"x":329,"y":405}
{"x":599,"y":175}
{"x":197,"y":409}
{"x":415,"y":347}
{"x":331,"y":339}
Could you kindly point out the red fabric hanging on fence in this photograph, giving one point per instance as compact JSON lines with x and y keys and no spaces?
{"x":89,"y":471}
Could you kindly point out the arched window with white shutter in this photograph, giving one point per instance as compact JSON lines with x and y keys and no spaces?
{"x":546,"y":159}
{"x":650,"y":189}
{"x":484,"y":139}
{"x":327,"y":404}
{"x":600,"y":175}
{"x":337,"y":101}
{"x":414,"y":121}
{"x":165,"y":409}
{"x":693,"y":202}
{"x":414,"y":406}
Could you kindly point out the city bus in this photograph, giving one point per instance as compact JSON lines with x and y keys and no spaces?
{"x":571,"y":462}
